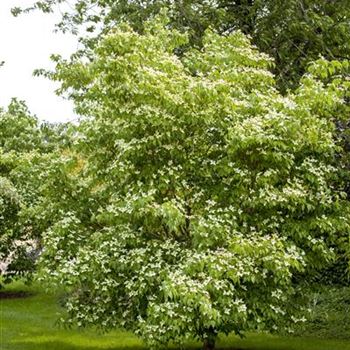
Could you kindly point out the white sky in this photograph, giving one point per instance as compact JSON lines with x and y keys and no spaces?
{"x":26,"y":43}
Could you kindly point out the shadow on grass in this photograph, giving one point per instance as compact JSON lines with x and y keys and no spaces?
{"x":256,"y":343}
{"x":14,"y":294}
{"x":61,"y":345}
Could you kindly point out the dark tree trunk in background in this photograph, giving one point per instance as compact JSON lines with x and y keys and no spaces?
{"x":209,"y":342}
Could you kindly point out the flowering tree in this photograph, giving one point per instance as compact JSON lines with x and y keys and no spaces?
{"x":200,"y":192}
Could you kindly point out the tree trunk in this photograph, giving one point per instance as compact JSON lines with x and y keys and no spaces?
{"x":209,"y":344}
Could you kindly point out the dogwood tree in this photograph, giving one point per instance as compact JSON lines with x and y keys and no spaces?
{"x":199,"y":194}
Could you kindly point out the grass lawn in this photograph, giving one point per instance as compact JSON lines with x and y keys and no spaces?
{"x":28,"y":323}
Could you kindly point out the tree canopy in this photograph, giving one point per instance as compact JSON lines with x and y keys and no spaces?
{"x":199,"y":193}
{"x":206,"y":185}
{"x":294,"y":33}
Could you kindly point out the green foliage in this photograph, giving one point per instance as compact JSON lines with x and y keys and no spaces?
{"x":10,"y":205}
{"x":334,"y":77}
{"x":19,"y":130}
{"x":199,"y":192}
{"x":329,"y":314}
{"x":295,"y":32}
{"x":24,"y":146}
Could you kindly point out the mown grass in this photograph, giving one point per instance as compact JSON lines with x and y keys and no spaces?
{"x":29,"y":323}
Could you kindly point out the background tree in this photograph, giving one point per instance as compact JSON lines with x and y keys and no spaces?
{"x":25,"y":146}
{"x":200,"y":194}
{"x":335,"y":77}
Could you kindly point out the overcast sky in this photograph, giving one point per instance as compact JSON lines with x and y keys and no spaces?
{"x":26,"y":43}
